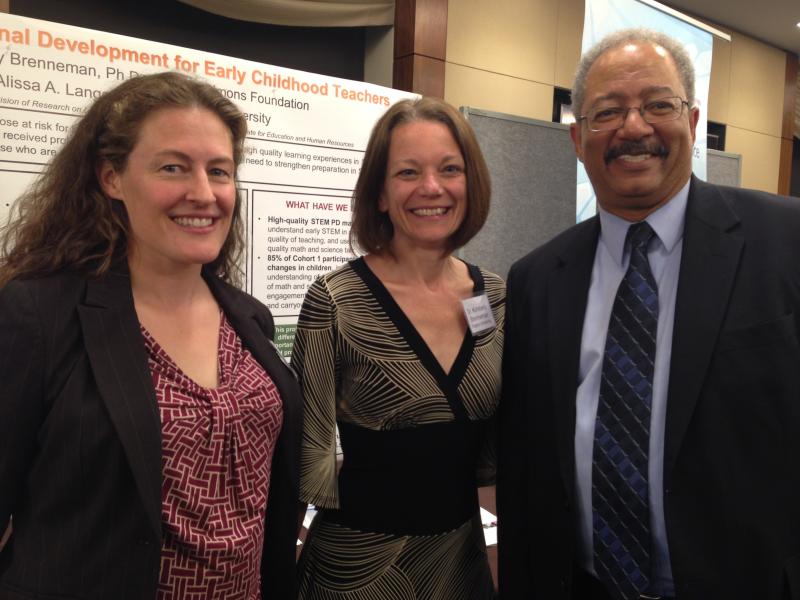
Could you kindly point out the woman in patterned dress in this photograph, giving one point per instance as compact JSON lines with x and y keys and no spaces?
{"x":386,"y":354}
{"x":149,"y":431}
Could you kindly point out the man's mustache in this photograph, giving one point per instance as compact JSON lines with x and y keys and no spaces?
{"x":656,"y":149}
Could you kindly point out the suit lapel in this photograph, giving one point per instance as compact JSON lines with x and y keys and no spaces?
{"x":568,"y":291}
{"x":255,"y":328}
{"x":712,"y":246}
{"x":257,"y":338}
{"x":119,"y":362}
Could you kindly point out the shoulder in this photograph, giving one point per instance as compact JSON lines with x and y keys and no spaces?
{"x":44,"y":313}
{"x":494,"y":285}
{"x":759,"y":214}
{"x":326,"y":293}
{"x":64,"y":281}
{"x":750,"y":203}
{"x":346,"y":272}
{"x":781,"y":211}
{"x":492,"y":280}
{"x":47,"y":295}
{"x":341,"y":280}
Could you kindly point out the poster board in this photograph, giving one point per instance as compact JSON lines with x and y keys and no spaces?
{"x":532,"y":166}
{"x":724,"y":168}
{"x":306,"y":136}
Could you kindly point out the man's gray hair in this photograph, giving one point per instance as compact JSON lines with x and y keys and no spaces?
{"x":626,"y":36}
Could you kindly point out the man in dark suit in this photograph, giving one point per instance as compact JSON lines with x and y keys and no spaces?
{"x":650,"y":420}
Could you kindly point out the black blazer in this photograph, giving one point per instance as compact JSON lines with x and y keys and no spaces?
{"x":732,"y":448}
{"x":80,"y":441}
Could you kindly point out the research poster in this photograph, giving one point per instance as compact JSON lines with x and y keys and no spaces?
{"x":306,"y":138}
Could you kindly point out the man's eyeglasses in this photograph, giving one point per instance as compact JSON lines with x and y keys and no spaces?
{"x":609,"y":118}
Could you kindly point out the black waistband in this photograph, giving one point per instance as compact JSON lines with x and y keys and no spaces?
{"x":413,"y":481}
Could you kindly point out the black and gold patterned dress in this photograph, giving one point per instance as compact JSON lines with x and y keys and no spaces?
{"x":400,"y":521}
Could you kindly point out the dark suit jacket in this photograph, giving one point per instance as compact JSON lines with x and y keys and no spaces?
{"x":732,"y":449}
{"x":80,"y":442}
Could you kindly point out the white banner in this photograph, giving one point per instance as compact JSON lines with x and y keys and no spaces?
{"x":306,"y":138}
{"x":606,"y":16}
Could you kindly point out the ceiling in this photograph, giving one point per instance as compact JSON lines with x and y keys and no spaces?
{"x":771,"y":21}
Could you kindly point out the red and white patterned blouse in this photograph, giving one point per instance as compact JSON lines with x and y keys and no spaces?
{"x":217,"y":447}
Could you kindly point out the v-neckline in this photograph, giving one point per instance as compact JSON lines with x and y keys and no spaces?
{"x":226,"y":357}
{"x":448,"y":380}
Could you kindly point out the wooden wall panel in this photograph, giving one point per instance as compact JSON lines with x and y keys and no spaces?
{"x":420,"y":46}
{"x":787,"y":129}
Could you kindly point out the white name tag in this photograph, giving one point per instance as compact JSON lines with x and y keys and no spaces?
{"x":479,"y":314}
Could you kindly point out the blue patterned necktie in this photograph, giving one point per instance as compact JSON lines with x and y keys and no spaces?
{"x":620,"y":508}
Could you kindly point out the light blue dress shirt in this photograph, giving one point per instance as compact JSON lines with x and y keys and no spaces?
{"x":610,"y":263}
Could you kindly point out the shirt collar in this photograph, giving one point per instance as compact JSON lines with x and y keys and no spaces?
{"x":667,"y":222}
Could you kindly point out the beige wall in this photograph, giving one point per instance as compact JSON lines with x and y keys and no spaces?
{"x":507,"y":56}
{"x":747,"y":88}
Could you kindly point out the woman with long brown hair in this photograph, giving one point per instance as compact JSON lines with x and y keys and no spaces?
{"x":148,"y":428}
